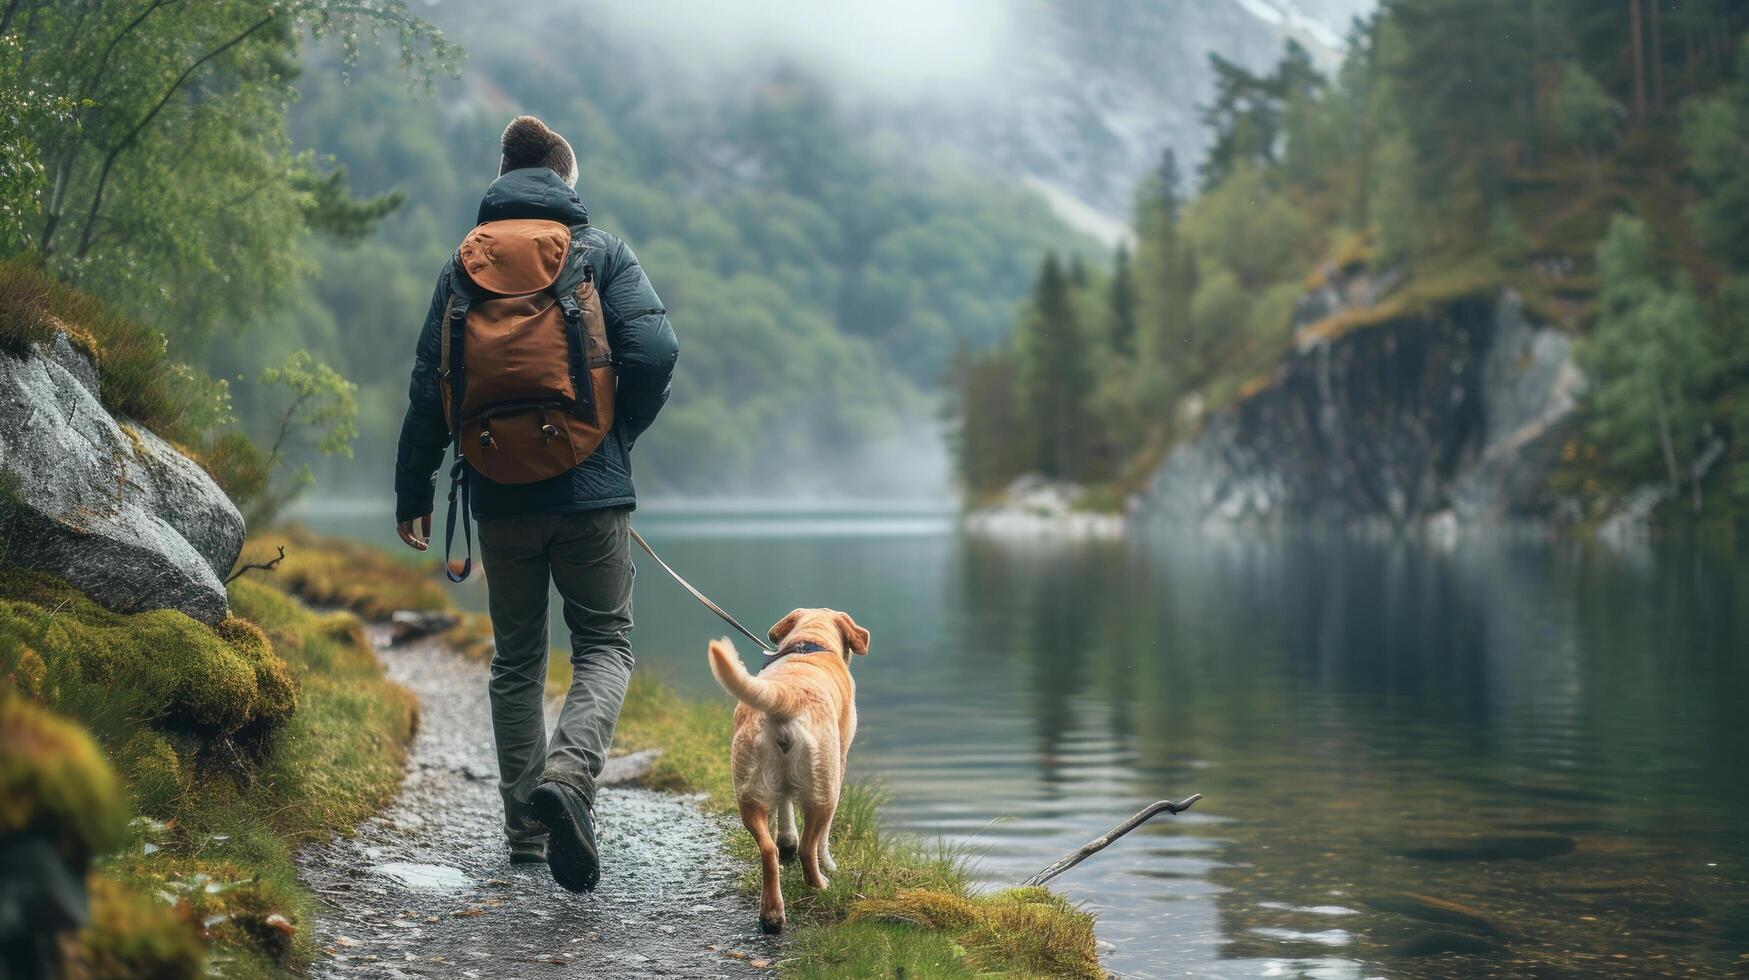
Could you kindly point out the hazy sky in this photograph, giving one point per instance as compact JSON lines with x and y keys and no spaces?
{"x":903,"y":48}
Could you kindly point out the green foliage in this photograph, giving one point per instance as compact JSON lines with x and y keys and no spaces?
{"x":1463,"y":146}
{"x":1249,"y":227}
{"x":1586,"y":117}
{"x":166,"y":170}
{"x":1715,"y":131}
{"x":1652,"y":362}
{"x":1054,"y":377}
{"x":988,"y":415}
{"x":29,"y":112}
{"x":320,"y":413}
{"x":796,"y":255}
{"x":1246,"y":117}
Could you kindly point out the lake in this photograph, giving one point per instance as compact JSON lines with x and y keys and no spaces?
{"x":1493,"y":757}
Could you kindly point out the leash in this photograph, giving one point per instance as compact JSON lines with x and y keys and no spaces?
{"x":764,"y":645}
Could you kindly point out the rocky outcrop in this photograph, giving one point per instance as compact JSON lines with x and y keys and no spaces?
{"x":1455,"y":415}
{"x":105,"y":504}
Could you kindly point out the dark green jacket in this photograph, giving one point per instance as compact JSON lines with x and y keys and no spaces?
{"x":644,"y":351}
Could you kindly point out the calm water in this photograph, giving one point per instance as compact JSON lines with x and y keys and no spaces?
{"x":1495,"y":758}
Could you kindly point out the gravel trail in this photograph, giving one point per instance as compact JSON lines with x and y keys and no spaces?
{"x":426,"y":888}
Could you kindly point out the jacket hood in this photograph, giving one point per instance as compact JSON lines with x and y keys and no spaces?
{"x":532,"y":192}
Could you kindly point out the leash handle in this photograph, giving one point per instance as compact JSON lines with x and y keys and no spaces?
{"x":458,"y":479}
{"x":764,"y":645}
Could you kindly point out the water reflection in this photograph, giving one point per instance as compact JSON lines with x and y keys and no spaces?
{"x":1502,"y":757}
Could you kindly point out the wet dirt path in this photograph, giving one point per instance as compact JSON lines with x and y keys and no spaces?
{"x":426,"y":888}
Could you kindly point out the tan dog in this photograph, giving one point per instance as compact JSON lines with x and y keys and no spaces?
{"x":793,"y":730}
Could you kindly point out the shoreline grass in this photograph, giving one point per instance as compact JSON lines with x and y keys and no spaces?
{"x":895,"y":903}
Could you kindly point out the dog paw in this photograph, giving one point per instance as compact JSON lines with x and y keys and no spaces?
{"x":771,"y":926}
{"x":787,"y":849}
{"x":819,"y":881}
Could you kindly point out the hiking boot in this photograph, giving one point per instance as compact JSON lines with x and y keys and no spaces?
{"x":528,"y":851}
{"x":570,"y":827}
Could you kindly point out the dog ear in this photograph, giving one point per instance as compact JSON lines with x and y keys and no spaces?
{"x":855,"y":637}
{"x":783,"y":626}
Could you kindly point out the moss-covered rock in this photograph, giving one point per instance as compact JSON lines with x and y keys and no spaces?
{"x":179,"y":673}
{"x":134,"y":935}
{"x":55,"y":783}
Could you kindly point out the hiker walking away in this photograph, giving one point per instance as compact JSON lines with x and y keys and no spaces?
{"x":544,"y":356}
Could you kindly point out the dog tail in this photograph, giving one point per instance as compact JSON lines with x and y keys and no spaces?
{"x":771,"y":697}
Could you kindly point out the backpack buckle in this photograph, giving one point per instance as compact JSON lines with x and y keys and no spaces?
{"x":486,"y":439}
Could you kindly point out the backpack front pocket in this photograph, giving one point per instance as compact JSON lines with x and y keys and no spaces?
{"x":520,"y":445}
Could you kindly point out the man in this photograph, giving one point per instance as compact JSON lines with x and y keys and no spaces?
{"x":571,"y":529}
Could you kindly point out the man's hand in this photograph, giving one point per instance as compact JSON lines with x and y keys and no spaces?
{"x":419,"y":539}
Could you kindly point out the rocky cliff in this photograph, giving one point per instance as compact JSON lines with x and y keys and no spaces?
{"x":104,"y":504}
{"x":1454,"y":416}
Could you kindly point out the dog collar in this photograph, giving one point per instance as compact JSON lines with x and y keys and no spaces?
{"x":801,"y":646}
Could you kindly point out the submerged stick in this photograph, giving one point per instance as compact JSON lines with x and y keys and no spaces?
{"x":1103,"y":841}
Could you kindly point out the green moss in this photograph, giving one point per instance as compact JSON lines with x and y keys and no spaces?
{"x":133,"y":934}
{"x":55,"y":782}
{"x":155,"y":773}
{"x":181,"y":673}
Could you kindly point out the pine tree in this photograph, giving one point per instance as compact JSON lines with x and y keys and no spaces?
{"x":986,"y":451}
{"x":1121,"y":302}
{"x":1055,"y":378}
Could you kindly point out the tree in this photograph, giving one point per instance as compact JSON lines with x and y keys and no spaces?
{"x":1651,"y":360}
{"x":319,"y":414}
{"x":172,"y":170}
{"x":1715,"y":132}
{"x":1246,"y":116}
{"x":1637,"y":49}
{"x":1462,"y":71}
{"x":1055,"y":380}
{"x":1121,"y":301}
{"x":1586,"y":117}
{"x":986,"y":412}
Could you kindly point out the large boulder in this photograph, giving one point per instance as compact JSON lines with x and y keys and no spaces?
{"x":104,"y":503}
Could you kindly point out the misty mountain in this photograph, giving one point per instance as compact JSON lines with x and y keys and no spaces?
{"x":1077,"y":99}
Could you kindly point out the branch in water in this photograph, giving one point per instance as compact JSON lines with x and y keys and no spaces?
{"x":1103,"y":841}
{"x":266,"y":566}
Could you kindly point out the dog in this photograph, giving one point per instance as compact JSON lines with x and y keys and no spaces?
{"x":793,"y":730}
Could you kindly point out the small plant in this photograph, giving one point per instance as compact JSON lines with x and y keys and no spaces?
{"x":320,"y":412}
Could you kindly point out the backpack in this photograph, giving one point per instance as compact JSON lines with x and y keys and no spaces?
{"x":526,"y":372}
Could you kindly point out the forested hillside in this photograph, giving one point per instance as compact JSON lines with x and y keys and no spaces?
{"x":819,"y":279}
{"x":1588,"y":156}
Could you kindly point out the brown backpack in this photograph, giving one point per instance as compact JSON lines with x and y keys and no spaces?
{"x":527,"y":374}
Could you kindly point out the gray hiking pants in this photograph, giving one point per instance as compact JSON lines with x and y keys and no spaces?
{"x":585,"y":555}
